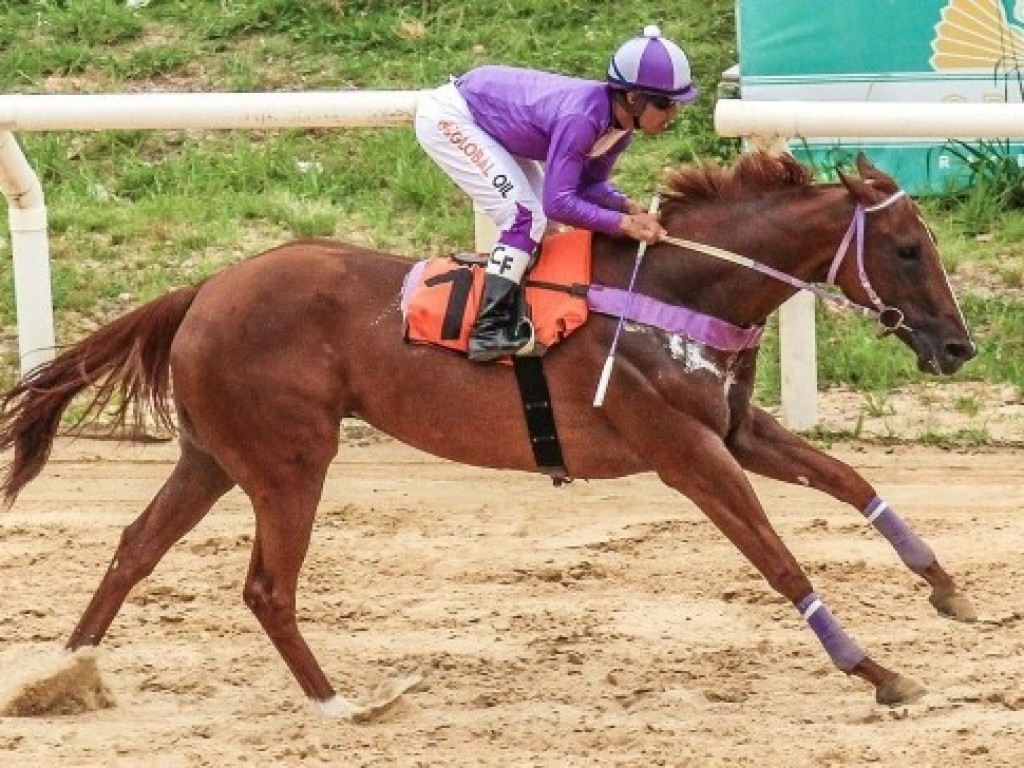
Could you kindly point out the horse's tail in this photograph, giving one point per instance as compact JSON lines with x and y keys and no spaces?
{"x":129,"y":359}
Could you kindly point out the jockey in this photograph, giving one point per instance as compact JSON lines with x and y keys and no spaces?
{"x":530,"y":146}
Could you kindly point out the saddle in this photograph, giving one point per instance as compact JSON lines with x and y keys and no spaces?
{"x":441,"y":296}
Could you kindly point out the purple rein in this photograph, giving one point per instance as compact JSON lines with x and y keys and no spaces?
{"x":890,"y":318}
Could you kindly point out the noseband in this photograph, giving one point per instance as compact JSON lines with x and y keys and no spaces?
{"x":891,"y":319}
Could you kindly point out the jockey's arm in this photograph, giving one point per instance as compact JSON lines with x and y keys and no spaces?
{"x":565,"y":176}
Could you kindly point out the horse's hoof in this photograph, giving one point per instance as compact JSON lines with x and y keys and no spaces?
{"x":334,"y":708}
{"x":954,"y":605}
{"x":899,"y":690}
{"x":381,"y":701}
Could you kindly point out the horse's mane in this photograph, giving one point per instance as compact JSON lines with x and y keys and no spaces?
{"x":752,"y":174}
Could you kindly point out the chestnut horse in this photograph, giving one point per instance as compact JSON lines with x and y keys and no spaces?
{"x":268,"y":356}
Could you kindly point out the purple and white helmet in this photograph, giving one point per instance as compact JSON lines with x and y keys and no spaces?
{"x":653,"y":64}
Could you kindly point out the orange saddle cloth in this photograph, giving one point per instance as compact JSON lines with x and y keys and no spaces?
{"x":441,"y":296}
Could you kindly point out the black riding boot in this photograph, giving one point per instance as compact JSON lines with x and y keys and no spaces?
{"x":501,"y":327}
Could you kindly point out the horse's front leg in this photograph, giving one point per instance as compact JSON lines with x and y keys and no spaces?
{"x":763,"y":446}
{"x":699,"y":465}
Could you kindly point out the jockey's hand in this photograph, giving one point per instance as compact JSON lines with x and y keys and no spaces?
{"x":641,"y":226}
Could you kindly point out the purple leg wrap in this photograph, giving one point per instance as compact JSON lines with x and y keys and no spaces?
{"x":908,"y":545}
{"x":841,"y":648}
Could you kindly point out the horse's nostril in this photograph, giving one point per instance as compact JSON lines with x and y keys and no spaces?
{"x":957,"y":350}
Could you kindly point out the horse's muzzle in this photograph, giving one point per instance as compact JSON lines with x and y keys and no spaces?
{"x":941,"y":354}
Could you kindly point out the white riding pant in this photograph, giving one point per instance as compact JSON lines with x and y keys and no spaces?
{"x":508,"y":188}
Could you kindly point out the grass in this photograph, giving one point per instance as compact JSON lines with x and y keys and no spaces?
{"x":973,"y":437}
{"x":135,"y":213}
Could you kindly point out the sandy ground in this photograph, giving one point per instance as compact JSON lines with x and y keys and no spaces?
{"x":603,"y":623}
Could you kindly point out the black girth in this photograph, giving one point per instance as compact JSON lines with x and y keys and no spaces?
{"x":540,"y":419}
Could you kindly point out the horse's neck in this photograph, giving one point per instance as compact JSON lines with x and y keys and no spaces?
{"x":798,"y":237}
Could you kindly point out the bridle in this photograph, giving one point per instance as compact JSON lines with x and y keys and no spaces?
{"x":891,"y":319}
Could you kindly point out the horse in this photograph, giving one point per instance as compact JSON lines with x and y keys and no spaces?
{"x":268,"y":356}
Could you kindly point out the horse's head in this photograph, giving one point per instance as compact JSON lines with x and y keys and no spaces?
{"x":770,"y":206}
{"x":889,"y":261}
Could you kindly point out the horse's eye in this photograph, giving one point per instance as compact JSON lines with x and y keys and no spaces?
{"x":908,"y":252}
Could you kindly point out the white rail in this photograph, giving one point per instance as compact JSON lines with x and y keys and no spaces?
{"x":166,"y":111}
{"x":869,"y":119}
{"x":30,"y":250}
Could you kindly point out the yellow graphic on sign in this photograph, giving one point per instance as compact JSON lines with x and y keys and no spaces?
{"x":976,"y":34}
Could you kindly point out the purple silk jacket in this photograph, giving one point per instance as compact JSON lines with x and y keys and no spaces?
{"x":557,"y":120}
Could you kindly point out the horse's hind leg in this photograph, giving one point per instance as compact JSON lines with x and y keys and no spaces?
{"x":763,"y":446}
{"x":285,"y":499}
{"x":187,"y":495}
{"x":283,"y":528}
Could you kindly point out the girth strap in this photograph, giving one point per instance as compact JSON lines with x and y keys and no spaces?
{"x":540,"y":419}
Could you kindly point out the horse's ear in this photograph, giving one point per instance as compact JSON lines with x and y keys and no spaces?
{"x":878,"y":179}
{"x":864,"y":166}
{"x":859,"y":189}
{"x":872,"y":186}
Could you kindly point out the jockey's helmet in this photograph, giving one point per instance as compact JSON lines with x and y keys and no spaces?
{"x":654,"y":65}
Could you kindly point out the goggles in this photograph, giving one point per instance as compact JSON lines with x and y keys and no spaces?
{"x":658,"y":101}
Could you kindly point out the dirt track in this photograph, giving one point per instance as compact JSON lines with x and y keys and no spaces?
{"x":600,"y":624}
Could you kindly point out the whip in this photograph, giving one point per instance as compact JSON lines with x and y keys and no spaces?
{"x":609,"y":363}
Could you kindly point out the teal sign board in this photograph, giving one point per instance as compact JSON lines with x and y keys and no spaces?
{"x":885,"y":50}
